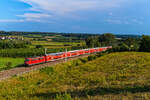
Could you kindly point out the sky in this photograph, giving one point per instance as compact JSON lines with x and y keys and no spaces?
{"x":77,"y":16}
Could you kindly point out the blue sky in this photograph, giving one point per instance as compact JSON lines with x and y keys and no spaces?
{"x":82,"y":16}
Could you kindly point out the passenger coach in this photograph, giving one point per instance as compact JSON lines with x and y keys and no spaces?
{"x":62,"y":55}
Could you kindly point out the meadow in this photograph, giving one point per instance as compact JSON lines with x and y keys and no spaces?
{"x":7,"y":62}
{"x":115,"y":76}
{"x":51,"y":44}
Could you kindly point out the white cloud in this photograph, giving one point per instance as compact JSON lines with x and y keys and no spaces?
{"x":49,"y":8}
{"x":66,"y":6}
{"x":11,"y":20}
{"x":137,"y":21}
{"x":124,"y":21}
{"x":110,"y":13}
{"x":34,"y":15}
{"x":114,"y":21}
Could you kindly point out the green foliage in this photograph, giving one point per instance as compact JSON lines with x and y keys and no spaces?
{"x":92,"y":42}
{"x":63,"y":97}
{"x":8,"y":64}
{"x":5,"y":44}
{"x":124,"y":47}
{"x":131,"y":44}
{"x":119,"y":44}
{"x":39,"y":46}
{"x":102,"y":40}
{"x":90,"y":58}
{"x":28,"y":52}
{"x":145,"y":44}
{"x":107,"y":39}
{"x":47,"y":70}
{"x":21,"y":78}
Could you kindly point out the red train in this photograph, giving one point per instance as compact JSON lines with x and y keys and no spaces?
{"x":62,"y":55}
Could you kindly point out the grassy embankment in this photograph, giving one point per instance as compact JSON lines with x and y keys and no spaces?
{"x":122,"y":76}
{"x":6,"y":63}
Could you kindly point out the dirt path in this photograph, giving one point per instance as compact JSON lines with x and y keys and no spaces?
{"x":21,"y":70}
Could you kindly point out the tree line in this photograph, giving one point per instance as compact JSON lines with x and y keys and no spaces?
{"x":120,"y":44}
{"x":9,"y":44}
{"x":20,"y":48}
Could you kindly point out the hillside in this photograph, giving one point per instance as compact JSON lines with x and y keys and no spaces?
{"x":114,"y":76}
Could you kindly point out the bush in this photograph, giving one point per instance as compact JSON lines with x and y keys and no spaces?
{"x":145,"y":44}
{"x":90,"y":58}
{"x":8,"y":64}
{"x":63,"y":97}
{"x":67,"y":45}
{"x":39,"y":46}
{"x":47,"y":70}
{"x":9,"y":44}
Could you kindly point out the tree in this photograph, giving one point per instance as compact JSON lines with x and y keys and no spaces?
{"x":132,"y":43}
{"x":124,"y":47}
{"x":107,"y":39}
{"x":92,"y":41}
{"x":145,"y":44}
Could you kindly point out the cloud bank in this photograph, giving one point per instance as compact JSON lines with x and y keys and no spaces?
{"x":50,"y":8}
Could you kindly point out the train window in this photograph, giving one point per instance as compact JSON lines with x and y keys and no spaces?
{"x":34,"y":59}
{"x":27,"y":60}
{"x":41,"y":58}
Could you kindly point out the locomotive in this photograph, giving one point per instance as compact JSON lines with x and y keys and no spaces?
{"x":62,"y":55}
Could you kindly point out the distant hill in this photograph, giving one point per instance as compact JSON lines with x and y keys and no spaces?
{"x":81,"y":35}
{"x":127,"y":36}
{"x":114,"y":76}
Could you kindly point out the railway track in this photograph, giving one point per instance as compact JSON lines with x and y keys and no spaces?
{"x":22,"y":70}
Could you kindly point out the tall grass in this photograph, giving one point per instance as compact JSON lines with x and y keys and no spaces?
{"x":114,"y":76}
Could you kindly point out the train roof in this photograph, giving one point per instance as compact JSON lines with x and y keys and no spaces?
{"x":56,"y":53}
{"x":67,"y":51}
{"x":34,"y":57}
{"x":74,"y":51}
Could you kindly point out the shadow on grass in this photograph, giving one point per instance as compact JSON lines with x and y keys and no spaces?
{"x":97,"y":91}
{"x":21,"y":65}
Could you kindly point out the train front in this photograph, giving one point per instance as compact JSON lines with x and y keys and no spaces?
{"x":27,"y":62}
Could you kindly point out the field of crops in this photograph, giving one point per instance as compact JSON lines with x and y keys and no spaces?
{"x":27,"y":52}
{"x":6,"y":63}
{"x":117,"y":76}
{"x":49,"y":44}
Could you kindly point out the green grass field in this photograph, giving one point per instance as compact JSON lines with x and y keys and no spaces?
{"x":49,"y":44}
{"x":14,"y":62}
{"x":116,"y":76}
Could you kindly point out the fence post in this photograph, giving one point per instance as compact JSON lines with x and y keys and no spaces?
{"x":45,"y":51}
{"x":66,"y":55}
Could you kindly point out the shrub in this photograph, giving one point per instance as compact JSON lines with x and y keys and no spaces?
{"x":67,"y":45}
{"x":47,"y":70}
{"x":90,"y":58}
{"x":63,"y":97}
{"x":8,"y":64}
{"x":21,"y":78}
{"x":39,"y":46}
